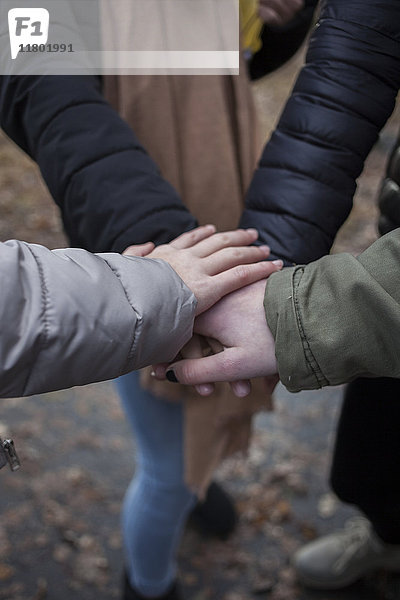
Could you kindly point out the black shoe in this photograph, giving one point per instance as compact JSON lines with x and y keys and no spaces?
{"x":128,"y":593}
{"x":216,"y":514}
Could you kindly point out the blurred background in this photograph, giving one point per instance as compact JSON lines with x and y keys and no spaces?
{"x":59,"y":524}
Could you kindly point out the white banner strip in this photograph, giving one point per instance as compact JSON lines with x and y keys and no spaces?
{"x":168,"y":59}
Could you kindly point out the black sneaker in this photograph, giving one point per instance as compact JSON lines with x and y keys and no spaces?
{"x":216,"y":514}
{"x":129,"y":593}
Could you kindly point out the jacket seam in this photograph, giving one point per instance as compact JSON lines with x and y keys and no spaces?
{"x":62,"y":110}
{"x":353,"y":21}
{"x":299,"y":219}
{"x":279,"y":167}
{"x":311,"y":138}
{"x":308,"y":353}
{"x":66,"y":108}
{"x":131,"y":351}
{"x":103,"y":157}
{"x":45,"y":302}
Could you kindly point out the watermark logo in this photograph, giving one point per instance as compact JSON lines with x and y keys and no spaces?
{"x":121,"y":37}
{"x":26,"y":26}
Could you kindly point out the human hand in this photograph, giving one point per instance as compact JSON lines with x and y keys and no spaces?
{"x":238,"y":324}
{"x":279,"y":12}
{"x":198,"y":347}
{"x":139,"y":249}
{"x":215,"y":264}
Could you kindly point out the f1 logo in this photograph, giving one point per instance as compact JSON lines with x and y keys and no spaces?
{"x":27,"y":25}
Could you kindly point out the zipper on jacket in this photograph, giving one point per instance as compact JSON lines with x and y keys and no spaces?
{"x":9,"y":455}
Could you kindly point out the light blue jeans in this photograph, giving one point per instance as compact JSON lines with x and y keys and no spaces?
{"x":157,"y":501}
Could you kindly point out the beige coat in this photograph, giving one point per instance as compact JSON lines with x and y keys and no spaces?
{"x":202,"y":132}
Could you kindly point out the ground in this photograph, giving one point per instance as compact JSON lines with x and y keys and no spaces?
{"x":59,"y":530}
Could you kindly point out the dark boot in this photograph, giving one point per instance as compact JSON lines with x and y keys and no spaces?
{"x":216,"y":514}
{"x":128,"y":593}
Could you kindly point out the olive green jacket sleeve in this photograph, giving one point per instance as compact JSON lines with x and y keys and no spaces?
{"x":337,"y":318}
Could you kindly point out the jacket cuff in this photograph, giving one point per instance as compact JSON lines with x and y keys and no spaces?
{"x":174,"y":222}
{"x":296,"y":365}
{"x":164,"y":307}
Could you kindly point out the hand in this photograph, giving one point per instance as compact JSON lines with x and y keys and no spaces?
{"x":215,"y":264}
{"x":139,"y":249}
{"x":198,"y":347}
{"x":238,"y":323}
{"x":279,"y":12}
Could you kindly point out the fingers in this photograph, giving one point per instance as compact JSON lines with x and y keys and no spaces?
{"x":224,"y":366}
{"x":159,"y":370}
{"x":139,"y":249}
{"x":243,"y":275}
{"x":205,"y":389}
{"x":225,"y":239}
{"x":241,"y":388}
{"x":270,"y":16}
{"x":279,"y":12}
{"x":204,"y":242}
{"x":282,"y":10}
{"x":232,"y":257}
{"x":194,"y":349}
{"x":190,"y":238}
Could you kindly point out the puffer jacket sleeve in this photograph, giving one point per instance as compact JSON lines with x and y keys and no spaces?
{"x":302,"y":190}
{"x":110,"y":192}
{"x":323,"y":317}
{"x":69,"y":317}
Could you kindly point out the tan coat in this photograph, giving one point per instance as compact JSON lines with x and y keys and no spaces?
{"x":202,"y":132}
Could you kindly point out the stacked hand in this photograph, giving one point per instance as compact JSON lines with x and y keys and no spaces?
{"x":237,"y":326}
{"x":221,"y":271}
{"x":213,"y":264}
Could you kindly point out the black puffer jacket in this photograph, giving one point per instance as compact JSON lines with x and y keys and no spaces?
{"x":111,"y":194}
{"x":303,"y":188}
{"x":109,"y":190}
{"x":389,"y":195}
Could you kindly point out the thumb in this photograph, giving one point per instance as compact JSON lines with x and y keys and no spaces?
{"x":139,"y":249}
{"x":224,"y":366}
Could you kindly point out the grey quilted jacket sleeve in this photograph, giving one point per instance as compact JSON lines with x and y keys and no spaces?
{"x":69,"y":317}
